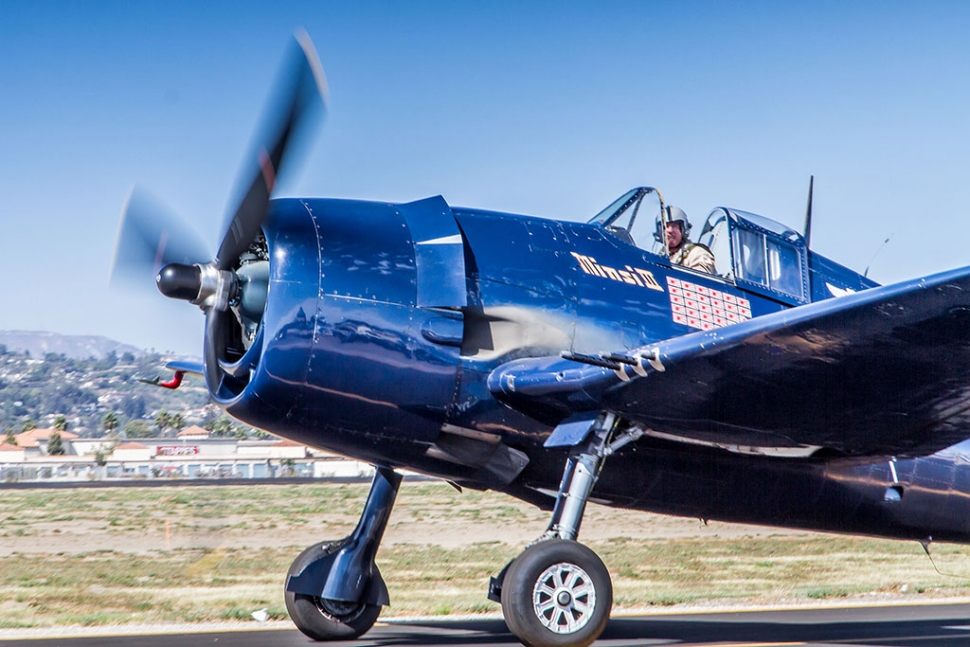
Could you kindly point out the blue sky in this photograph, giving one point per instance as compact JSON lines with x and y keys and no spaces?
{"x":545,"y":108}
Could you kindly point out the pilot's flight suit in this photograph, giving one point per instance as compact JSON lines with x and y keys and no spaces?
{"x":696,"y":257}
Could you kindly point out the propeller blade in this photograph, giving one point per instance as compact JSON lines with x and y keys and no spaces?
{"x":150,"y":237}
{"x":215,"y":346}
{"x":303,"y":89}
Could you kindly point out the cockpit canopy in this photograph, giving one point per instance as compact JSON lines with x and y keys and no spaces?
{"x":752,"y":251}
{"x":757,"y":253}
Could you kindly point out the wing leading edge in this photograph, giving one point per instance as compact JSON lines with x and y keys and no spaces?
{"x":880,"y":372}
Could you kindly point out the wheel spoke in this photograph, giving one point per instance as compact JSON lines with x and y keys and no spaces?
{"x":544,"y":607}
{"x":577,"y":579}
{"x":562,"y":620}
{"x":571,"y":621}
{"x":557,"y":578}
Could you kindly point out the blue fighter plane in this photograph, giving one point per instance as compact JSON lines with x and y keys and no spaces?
{"x":563,"y":362}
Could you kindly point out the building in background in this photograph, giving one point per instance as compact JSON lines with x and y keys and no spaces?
{"x":35,"y":441}
{"x":193,"y":454}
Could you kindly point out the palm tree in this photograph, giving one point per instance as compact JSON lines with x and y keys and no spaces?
{"x":162,"y":420}
{"x":55,"y":446}
{"x":224,"y":427}
{"x":110,"y":421}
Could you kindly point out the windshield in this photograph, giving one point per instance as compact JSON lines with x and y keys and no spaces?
{"x":633,"y":218}
{"x":619,"y":206}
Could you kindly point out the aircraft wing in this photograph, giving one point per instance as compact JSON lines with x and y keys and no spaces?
{"x":881,"y":372}
{"x":187,"y":366}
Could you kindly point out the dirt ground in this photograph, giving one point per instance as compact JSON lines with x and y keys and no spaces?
{"x":438,"y":524}
{"x":137,"y":555}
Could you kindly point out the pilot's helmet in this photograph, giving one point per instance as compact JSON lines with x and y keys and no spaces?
{"x":674,"y":214}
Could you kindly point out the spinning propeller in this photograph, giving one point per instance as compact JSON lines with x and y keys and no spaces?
{"x":227,"y":287}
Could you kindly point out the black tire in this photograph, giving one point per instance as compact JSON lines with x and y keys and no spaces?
{"x":557,"y":593}
{"x":322,"y":619}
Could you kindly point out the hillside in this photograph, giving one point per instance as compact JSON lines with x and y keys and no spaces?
{"x":37,"y":387}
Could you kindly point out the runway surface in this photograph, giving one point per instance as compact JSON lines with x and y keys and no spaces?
{"x":944,"y":625}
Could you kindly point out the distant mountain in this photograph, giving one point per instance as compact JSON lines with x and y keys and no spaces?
{"x":39,"y":343}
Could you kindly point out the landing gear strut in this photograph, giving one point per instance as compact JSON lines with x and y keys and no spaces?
{"x":334,"y":590}
{"x":558,"y":592}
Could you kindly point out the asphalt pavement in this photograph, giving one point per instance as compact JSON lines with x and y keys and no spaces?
{"x":936,"y":625}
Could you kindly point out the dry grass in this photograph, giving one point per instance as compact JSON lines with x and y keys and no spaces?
{"x":101,"y":556}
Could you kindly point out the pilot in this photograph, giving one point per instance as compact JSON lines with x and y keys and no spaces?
{"x":681,"y":251}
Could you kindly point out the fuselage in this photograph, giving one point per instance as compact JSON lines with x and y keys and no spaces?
{"x":370,"y":347}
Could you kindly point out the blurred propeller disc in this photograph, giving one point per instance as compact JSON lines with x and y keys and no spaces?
{"x":300,"y":90}
{"x":154,"y":242}
{"x":151,"y":236}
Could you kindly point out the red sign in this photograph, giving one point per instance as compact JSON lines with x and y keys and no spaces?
{"x":176,"y":450}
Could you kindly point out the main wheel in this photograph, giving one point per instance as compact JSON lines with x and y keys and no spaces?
{"x":557,"y":593}
{"x":323,"y":619}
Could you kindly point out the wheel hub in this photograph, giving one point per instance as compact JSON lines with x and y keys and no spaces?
{"x":564,"y":598}
{"x":337,"y":608}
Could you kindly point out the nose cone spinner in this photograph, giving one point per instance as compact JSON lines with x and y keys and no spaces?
{"x":178,"y":281}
